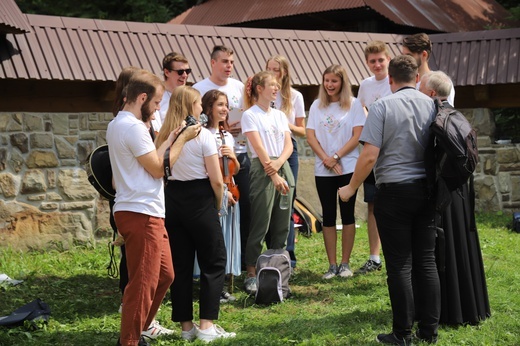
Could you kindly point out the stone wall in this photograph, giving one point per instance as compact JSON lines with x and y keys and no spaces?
{"x":47,"y":200}
{"x":46,"y":197}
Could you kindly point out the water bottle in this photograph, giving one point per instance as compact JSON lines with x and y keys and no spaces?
{"x":284,"y":199}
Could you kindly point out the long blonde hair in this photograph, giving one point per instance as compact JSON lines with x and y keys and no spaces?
{"x":181,"y":105}
{"x":345,"y":94}
{"x":285,"y":87}
{"x":250,"y":91}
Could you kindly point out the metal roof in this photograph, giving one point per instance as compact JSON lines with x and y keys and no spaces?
{"x":435,"y":15}
{"x":12,"y":19}
{"x":478,"y":58}
{"x":75,"y":49}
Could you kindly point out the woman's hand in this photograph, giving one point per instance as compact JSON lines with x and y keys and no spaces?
{"x":280,"y":184}
{"x":272,"y":166}
{"x":231,"y":200}
{"x":330,"y":162}
{"x":226,"y":150}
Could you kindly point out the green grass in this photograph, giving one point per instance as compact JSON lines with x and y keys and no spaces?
{"x":84,"y":300}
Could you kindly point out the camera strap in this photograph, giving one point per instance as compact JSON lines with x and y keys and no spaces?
{"x":166,"y":165}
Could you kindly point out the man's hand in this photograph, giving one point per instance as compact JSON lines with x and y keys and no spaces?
{"x":345,"y":193}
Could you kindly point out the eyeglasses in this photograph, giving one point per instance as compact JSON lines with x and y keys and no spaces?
{"x":181,"y":72}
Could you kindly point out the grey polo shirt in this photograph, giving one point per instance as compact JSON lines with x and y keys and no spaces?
{"x":398,"y":125}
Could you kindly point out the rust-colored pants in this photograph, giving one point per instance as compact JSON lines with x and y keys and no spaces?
{"x":150,"y":271}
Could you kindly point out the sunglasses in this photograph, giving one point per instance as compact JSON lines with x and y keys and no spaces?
{"x":181,"y":72}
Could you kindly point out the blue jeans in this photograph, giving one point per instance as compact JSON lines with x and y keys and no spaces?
{"x":405,"y":216}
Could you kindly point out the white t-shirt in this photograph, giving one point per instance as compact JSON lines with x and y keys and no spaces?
{"x":333,"y":129}
{"x":298,"y":110}
{"x":228,"y":139}
{"x":371,"y":90}
{"x":271,"y":126}
{"x":156,"y":123}
{"x":234,"y":90}
{"x":136,"y":190}
{"x":165,"y":103}
{"x":190,"y":165}
{"x":451,"y":96}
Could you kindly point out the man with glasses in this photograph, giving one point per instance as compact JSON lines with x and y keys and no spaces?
{"x":176,"y":70}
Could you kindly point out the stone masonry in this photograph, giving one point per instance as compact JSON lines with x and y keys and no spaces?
{"x":47,"y":200}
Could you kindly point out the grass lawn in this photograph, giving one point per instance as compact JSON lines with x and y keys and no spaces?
{"x":84,"y":300}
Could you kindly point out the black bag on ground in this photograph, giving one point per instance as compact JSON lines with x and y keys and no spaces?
{"x":457,"y":152}
{"x":273,"y":269}
{"x":33,"y":311}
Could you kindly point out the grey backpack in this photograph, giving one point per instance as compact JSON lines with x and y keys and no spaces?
{"x":273,"y":269}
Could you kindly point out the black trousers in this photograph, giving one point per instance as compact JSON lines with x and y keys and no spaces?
{"x":405,"y":219}
{"x":242,"y":180}
{"x":193,"y":226}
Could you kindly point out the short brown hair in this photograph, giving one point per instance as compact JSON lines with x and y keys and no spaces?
{"x":172,"y":57}
{"x":418,"y":43}
{"x":143,"y":81}
{"x":376,"y":47}
{"x":403,"y":69}
{"x":218,"y":49}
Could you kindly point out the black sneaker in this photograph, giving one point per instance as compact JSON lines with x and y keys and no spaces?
{"x":391,"y":339}
{"x":369,"y":266}
{"x":429,"y":340}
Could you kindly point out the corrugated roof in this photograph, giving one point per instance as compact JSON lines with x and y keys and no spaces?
{"x":224,"y":12}
{"x":74,"y":49}
{"x":435,"y":15}
{"x":12,"y":20}
{"x":478,"y":58}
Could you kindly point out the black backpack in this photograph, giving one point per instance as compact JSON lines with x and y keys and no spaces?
{"x":273,"y":269}
{"x":456,"y":145}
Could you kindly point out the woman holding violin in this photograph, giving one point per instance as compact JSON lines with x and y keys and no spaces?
{"x":215,"y":106}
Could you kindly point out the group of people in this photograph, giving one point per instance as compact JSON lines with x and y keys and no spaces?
{"x":189,"y":194}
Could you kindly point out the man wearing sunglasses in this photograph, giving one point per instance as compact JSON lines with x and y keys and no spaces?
{"x":176,"y":70}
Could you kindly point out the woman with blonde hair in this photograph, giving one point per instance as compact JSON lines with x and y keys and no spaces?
{"x":193,"y":196}
{"x":289,"y":101}
{"x":335,"y":122}
{"x":269,"y":139}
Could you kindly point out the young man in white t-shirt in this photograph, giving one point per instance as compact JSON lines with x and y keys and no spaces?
{"x":176,"y":70}
{"x":419,"y":47}
{"x":222,"y":63}
{"x":370,"y":90}
{"x":139,"y":208}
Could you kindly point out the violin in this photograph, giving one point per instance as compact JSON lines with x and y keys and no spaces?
{"x":227,"y":166}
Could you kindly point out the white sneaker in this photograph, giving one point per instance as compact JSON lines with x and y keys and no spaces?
{"x":214,"y":332}
{"x":155,"y":330}
{"x":344,"y":271}
{"x":333,"y":269}
{"x":191,"y":334}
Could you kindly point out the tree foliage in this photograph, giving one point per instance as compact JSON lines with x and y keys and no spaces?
{"x":156,"y":11}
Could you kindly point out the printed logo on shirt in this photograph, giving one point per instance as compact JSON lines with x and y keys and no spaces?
{"x":275,"y":133}
{"x":330,"y":123}
{"x":234,"y":103}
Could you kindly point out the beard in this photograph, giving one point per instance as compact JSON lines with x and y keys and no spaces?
{"x":146,"y":111}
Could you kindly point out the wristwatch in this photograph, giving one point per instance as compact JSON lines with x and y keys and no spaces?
{"x":336,"y":157}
